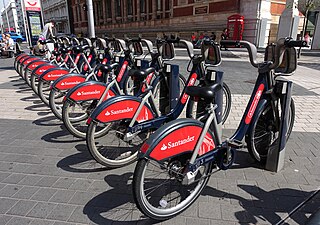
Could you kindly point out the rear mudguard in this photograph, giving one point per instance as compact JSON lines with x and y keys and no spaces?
{"x":19,"y":58}
{"x":53,"y":74}
{"x":68,"y":81}
{"x":25,"y":61}
{"x":34,"y":64}
{"x":175,"y":138}
{"x":90,"y":90}
{"x":121,"y":107}
{"x":39,"y":70}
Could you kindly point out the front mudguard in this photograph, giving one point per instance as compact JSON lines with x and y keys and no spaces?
{"x":53,"y":74}
{"x":120,"y":108}
{"x":89,"y":90}
{"x":68,"y":81}
{"x":176,"y":138}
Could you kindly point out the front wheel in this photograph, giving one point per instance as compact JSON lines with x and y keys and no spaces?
{"x":44,"y":91}
{"x":158,"y":190}
{"x":111,"y":150}
{"x":262,"y":133}
{"x":56,"y":102}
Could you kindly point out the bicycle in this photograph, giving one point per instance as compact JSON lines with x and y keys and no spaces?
{"x":176,"y":161}
{"x":130,"y":119}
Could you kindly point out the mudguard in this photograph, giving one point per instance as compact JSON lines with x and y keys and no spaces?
{"x":89,"y":90}
{"x":39,"y":70}
{"x":19,"y":58}
{"x":25,"y":61}
{"x":121,"y":107}
{"x":175,"y":138}
{"x":32,"y":65}
{"x":68,"y":81}
{"x":53,"y":74}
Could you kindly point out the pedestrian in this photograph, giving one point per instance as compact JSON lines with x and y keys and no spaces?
{"x":48,"y":31}
{"x":224,"y":36}
{"x":307,"y":37}
{"x":213,"y":36}
{"x":194,"y":38}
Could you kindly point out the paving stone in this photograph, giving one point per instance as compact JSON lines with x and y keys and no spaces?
{"x":22,"y":207}
{"x":19,"y":221}
{"x":64,"y":182}
{"x":61,"y":212}
{"x":41,"y":210}
{"x":79,"y":215}
{"x":4,"y":219}
{"x":80,"y":198}
{"x":3,"y":176}
{"x":209,"y":211}
{"x":81,"y":185}
{"x":30,"y":180}
{"x":44,"y":194}
{"x":14,"y":178}
{"x":10,"y":190}
{"x":192,"y":221}
{"x":62,"y":196}
{"x":41,"y":222}
{"x":25,"y":192}
{"x":6,"y":204}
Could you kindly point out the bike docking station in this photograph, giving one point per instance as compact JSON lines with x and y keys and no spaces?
{"x":283,"y":88}
{"x":169,"y":98}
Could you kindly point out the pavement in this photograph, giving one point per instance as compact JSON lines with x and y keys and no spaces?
{"x":48,"y":177}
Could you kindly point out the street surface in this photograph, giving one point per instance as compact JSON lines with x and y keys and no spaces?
{"x":48,"y":177}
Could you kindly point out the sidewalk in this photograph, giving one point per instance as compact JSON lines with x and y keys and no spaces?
{"x":48,"y":177}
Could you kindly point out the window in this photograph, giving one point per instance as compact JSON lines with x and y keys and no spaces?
{"x":159,"y":5}
{"x":129,"y":8}
{"x":108,"y":8}
{"x":118,"y":8}
{"x":142,"y":6}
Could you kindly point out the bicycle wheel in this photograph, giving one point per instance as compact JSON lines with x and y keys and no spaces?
{"x":44,"y":91}
{"x":157,"y":96}
{"x":56,"y":102}
{"x":34,"y":82}
{"x":195,"y":113}
{"x":75,"y":115}
{"x":262,"y":133}
{"x":110,"y":149}
{"x":158,"y":190}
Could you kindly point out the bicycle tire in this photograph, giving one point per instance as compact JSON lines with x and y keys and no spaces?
{"x":44,"y":91}
{"x":110,"y":150}
{"x":34,"y":83}
{"x":77,"y":126}
{"x":55,"y":107}
{"x":155,"y":205}
{"x":260,"y":128}
{"x":191,"y":111}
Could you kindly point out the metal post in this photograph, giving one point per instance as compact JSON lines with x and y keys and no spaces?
{"x":24,"y":23}
{"x":90,"y":19}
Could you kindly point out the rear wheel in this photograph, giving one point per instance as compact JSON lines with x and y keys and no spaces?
{"x":34,"y":82}
{"x":110,"y":149}
{"x":194,"y":112}
{"x":56,"y":102}
{"x":158,"y":190}
{"x":44,"y":91}
{"x":262,"y":133}
{"x":75,"y":115}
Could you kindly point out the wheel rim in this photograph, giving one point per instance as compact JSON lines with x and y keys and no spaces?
{"x":168,"y":199}
{"x":110,"y":147}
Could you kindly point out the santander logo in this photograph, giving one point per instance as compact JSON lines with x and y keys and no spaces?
{"x":119,"y":111}
{"x":55,"y":75}
{"x":70,"y":83}
{"x":83,"y":93}
{"x":254,"y":104}
{"x":170,"y":144}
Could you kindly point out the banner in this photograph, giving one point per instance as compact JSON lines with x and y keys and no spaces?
{"x":32,"y":5}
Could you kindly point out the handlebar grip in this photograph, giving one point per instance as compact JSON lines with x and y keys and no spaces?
{"x":292,"y":43}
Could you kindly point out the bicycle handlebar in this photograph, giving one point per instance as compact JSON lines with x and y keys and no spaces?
{"x":249,"y":46}
{"x":281,"y":45}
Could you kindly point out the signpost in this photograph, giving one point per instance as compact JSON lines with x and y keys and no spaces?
{"x":34,"y":20}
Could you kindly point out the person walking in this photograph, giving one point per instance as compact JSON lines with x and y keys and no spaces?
{"x":224,"y":36}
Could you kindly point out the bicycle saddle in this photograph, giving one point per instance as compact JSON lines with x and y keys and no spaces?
{"x":64,"y":50}
{"x":42,"y":51}
{"x":80,"y":48}
{"x":55,"y":53}
{"x":141,"y":73}
{"x":107,"y":68}
{"x":43,"y":42}
{"x":206,"y":92}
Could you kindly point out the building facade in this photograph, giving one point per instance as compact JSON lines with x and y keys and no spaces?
{"x":57,"y":10}
{"x":10,"y":12}
{"x":151,"y":18}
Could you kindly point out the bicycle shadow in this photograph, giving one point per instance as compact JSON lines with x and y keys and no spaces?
{"x":60,"y":136}
{"x":116,"y":205}
{"x":81,"y":162}
{"x":47,"y":121}
{"x":264,"y":206}
{"x":32,"y":98}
